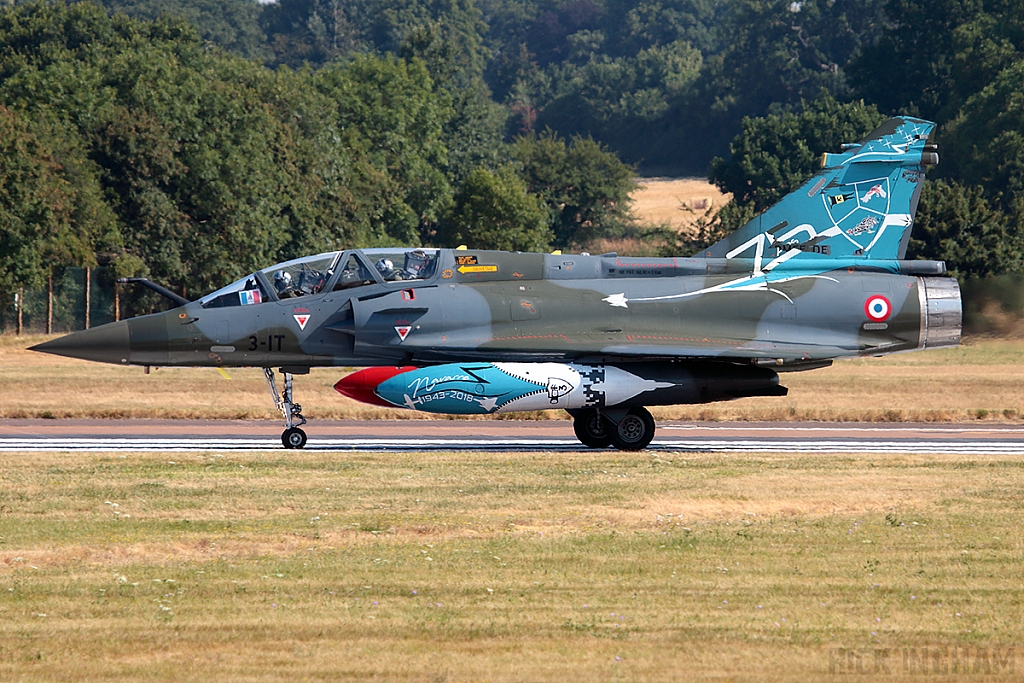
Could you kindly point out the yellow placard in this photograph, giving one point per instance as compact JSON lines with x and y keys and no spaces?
{"x":478,"y":269}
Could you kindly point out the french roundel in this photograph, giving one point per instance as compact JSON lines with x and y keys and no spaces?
{"x":877,"y":308}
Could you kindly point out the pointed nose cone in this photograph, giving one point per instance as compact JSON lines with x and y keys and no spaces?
{"x":360,"y":385}
{"x":105,"y":344}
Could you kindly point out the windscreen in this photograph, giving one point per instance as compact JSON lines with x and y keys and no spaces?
{"x":302,"y":277}
{"x":396,"y":265}
{"x":244,"y":292}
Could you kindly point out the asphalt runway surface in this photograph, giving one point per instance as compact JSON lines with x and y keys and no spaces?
{"x":503,"y":435}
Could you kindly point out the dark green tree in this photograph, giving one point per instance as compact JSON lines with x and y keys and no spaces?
{"x":620,"y":101}
{"x":51,"y":209}
{"x":313,"y":31}
{"x":231,"y":24}
{"x":910,"y":67}
{"x":785,"y":51}
{"x":985,"y":143}
{"x":631,"y":26}
{"x":495,"y":211}
{"x":958,"y":225}
{"x":318,"y":31}
{"x":214,"y":165}
{"x":388,"y":110}
{"x":585,"y":186}
{"x":775,"y":154}
{"x":473,"y":133}
{"x":983,"y":47}
{"x":33,"y":204}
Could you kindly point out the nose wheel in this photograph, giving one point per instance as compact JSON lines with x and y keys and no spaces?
{"x":292,"y":437}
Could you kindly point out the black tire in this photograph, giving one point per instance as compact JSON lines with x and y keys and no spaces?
{"x":293,"y":438}
{"x":592,"y":429}
{"x":635,"y":431}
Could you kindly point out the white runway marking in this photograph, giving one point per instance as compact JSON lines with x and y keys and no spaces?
{"x":713,"y":445}
{"x":901,"y":429}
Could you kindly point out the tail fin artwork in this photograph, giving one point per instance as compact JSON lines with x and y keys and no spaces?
{"x":861,"y":204}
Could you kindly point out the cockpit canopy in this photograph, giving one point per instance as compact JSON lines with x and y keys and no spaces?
{"x":330,"y":271}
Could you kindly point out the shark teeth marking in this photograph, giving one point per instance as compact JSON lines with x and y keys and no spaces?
{"x":618,"y":300}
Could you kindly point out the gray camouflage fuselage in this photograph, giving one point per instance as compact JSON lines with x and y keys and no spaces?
{"x":537,"y":307}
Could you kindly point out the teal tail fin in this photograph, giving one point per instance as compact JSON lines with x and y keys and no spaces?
{"x":860,"y":205}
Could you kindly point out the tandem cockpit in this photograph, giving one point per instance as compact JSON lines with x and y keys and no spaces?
{"x":331,"y":271}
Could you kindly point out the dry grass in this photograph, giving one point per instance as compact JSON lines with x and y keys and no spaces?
{"x":496,"y":567}
{"x":983,"y":379}
{"x":676,"y":202}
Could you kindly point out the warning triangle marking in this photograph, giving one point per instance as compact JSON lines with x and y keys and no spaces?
{"x":403,"y":331}
{"x":302,"y":320}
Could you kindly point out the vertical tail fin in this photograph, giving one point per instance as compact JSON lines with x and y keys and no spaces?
{"x":860,"y":205}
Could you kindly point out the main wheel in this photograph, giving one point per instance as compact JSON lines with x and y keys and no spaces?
{"x":293,"y":438}
{"x":592,"y":429}
{"x":634,"y":432}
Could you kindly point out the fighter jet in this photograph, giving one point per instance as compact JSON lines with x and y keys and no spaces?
{"x":819,"y":276}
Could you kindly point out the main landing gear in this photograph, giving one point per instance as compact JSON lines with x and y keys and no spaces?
{"x":292,"y":437}
{"x":627,"y":430}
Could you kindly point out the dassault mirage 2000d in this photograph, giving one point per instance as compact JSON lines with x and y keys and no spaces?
{"x":819,"y":276}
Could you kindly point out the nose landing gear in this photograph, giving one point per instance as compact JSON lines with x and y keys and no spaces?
{"x":292,"y":437}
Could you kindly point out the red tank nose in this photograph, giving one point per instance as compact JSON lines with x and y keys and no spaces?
{"x":360,"y":386}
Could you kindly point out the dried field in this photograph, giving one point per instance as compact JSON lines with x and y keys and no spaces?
{"x":981,"y":380}
{"x":676,"y":202}
{"x":496,"y":567}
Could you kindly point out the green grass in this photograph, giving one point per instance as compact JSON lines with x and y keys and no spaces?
{"x":499,"y":567}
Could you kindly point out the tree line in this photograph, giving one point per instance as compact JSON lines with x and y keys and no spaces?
{"x":138,"y":147}
{"x":192,"y":141}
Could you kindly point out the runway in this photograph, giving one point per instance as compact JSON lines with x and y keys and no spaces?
{"x":501,"y":435}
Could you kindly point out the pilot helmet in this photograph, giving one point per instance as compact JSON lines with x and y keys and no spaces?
{"x":385,"y":266}
{"x":416,"y":262}
{"x":282,"y":279}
